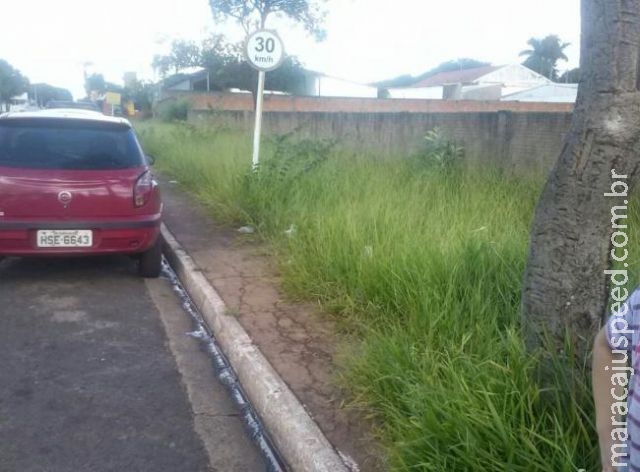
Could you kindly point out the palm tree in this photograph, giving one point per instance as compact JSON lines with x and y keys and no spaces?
{"x":544,"y":54}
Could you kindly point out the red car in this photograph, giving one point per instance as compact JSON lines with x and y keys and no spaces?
{"x":76,"y":182}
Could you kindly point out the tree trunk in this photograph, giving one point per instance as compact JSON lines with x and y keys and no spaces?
{"x":565,"y":287}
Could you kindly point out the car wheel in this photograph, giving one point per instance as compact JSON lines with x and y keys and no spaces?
{"x":150,"y":263}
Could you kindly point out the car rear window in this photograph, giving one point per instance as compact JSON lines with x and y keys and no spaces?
{"x":68,"y":144}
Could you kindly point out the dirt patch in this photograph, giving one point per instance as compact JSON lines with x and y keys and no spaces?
{"x":295,"y":337}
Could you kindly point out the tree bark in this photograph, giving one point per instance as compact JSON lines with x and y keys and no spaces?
{"x":565,"y":288}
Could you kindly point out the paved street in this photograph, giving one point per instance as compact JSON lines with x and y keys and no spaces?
{"x":97,"y":374}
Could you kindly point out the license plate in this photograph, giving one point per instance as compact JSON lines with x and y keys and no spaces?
{"x":65,"y":238}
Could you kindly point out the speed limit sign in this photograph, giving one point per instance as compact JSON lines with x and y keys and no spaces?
{"x":264,"y":50}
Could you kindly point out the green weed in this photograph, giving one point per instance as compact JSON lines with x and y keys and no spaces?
{"x":424,"y":269}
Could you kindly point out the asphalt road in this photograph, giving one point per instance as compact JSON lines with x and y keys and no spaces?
{"x":97,"y":374}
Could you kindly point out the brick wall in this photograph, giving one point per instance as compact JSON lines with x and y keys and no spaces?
{"x":519,"y":137}
{"x":285,"y":103}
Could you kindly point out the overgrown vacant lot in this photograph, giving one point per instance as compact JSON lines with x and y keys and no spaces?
{"x":422,"y":261}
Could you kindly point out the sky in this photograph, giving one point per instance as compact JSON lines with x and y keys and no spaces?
{"x":367,"y":40}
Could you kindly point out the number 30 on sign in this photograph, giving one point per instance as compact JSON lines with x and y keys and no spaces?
{"x":264,"y":50}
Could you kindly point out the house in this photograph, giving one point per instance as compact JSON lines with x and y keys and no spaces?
{"x":313,"y":84}
{"x":320,"y":85}
{"x":479,"y":83}
{"x":18,"y":103}
{"x":556,"y":93}
{"x":195,"y":81}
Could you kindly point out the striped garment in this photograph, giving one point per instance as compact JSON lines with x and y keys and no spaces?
{"x":623,"y":335}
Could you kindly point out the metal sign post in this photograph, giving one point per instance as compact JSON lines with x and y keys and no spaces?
{"x":265,"y":52}
{"x":258,"y":127}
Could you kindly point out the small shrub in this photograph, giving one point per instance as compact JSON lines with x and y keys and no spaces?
{"x":291,"y":159}
{"x":279,"y":172}
{"x":439,"y":152}
{"x":174,"y":111}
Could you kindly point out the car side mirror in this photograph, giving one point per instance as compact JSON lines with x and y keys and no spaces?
{"x":150,"y":159}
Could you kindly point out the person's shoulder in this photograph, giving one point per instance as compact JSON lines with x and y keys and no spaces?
{"x":634,"y":299}
{"x":633,"y":303}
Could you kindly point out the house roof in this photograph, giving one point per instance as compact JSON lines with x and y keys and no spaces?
{"x":190,"y":74}
{"x":564,"y":93}
{"x":465,"y":76}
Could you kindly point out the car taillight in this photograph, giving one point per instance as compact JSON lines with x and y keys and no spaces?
{"x":143,"y":188}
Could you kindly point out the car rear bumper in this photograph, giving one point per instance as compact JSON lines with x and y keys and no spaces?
{"x":123,"y":236}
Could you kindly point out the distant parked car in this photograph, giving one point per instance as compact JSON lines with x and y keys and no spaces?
{"x":74,"y":182}
{"x":69,"y":104}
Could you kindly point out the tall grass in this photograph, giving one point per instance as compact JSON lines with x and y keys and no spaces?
{"x":424,"y":266}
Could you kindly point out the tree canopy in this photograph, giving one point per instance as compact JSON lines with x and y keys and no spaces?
{"x":455,"y":64}
{"x":95,"y":83}
{"x":44,"y":93}
{"x":253,"y":14}
{"x":226,"y":66}
{"x":140,"y":93}
{"x":12,"y":82}
{"x":183,"y":54}
{"x":544,"y":54}
{"x":570,"y":77}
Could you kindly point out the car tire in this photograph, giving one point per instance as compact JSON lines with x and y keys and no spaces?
{"x":150,"y":263}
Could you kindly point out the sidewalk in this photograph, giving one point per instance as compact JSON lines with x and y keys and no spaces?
{"x":298,"y":342}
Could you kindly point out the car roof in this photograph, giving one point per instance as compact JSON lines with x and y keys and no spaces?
{"x":66,"y":113}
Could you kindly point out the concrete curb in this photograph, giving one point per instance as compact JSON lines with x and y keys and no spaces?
{"x":298,"y":438}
